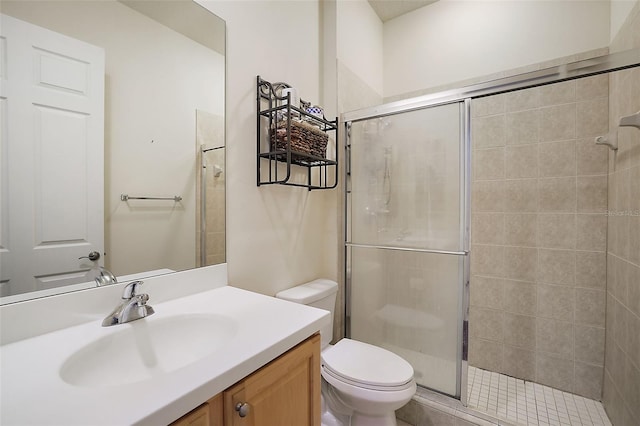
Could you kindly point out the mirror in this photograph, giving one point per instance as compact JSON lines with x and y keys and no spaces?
{"x":112,"y":152}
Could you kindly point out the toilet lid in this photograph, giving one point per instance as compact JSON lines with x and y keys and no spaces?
{"x":366,"y":364}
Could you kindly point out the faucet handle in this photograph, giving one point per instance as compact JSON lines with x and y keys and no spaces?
{"x":129,"y":291}
{"x":142,"y":303}
{"x":142,"y":299}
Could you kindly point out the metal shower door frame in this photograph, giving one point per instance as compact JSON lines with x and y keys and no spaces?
{"x":563,"y":72}
{"x":465,"y":219}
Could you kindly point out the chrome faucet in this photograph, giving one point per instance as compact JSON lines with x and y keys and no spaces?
{"x":105,"y":277}
{"x":133,"y":307}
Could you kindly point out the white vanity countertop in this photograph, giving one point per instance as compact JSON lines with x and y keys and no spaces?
{"x":32,"y":391}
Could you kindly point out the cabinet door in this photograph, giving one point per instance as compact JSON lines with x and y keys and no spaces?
{"x":197,"y":417}
{"x":286,"y":392}
{"x":208,"y":414}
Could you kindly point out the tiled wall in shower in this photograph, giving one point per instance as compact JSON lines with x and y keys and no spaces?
{"x":210,"y":134}
{"x":538,"y":261}
{"x":621,"y":396}
{"x":215,"y":211}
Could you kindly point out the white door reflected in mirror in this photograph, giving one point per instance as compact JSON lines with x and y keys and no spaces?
{"x":54,"y":108}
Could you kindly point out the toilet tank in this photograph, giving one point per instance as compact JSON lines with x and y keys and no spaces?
{"x":320,"y":293}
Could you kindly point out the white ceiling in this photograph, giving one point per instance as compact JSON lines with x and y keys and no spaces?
{"x":389,"y":9}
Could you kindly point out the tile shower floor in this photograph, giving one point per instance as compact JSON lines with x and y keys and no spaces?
{"x":526,"y":403}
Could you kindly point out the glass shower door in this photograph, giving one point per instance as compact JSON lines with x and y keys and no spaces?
{"x":407,"y":238}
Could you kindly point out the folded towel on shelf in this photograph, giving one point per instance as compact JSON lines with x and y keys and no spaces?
{"x":304,"y":138}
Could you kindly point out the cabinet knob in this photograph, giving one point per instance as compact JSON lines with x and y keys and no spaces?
{"x":242,"y":408}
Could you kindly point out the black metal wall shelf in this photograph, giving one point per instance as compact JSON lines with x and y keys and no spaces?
{"x":278,"y":152}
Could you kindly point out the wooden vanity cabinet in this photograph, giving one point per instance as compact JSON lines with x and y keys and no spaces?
{"x":208,"y":414}
{"x":285,"y":392}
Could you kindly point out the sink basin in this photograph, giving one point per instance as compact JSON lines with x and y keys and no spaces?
{"x":146,"y":348}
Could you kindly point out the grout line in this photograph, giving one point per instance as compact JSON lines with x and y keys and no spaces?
{"x":529,"y":403}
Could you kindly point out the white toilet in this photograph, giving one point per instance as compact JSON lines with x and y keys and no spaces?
{"x":362,"y":384}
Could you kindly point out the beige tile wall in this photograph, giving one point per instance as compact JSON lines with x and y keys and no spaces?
{"x":539,"y":198}
{"x":210,"y":133}
{"x":621,"y":393}
{"x":215,"y":211}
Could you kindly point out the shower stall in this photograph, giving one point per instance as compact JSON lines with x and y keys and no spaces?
{"x":210,"y":189}
{"x":210,"y":203}
{"x":407,"y":204}
{"x":498,"y":282}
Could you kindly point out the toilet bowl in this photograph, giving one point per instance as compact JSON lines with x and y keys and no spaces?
{"x":363,"y":384}
{"x":369,"y":380}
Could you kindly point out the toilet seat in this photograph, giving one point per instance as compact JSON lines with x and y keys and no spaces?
{"x":366,"y":366}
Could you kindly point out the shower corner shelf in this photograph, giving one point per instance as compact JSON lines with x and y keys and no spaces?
{"x":275,"y":151}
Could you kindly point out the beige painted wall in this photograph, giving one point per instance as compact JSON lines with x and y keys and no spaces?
{"x":358,"y":68}
{"x":155,"y":152}
{"x":620,"y":11}
{"x":278,"y":236}
{"x":360,"y":46}
{"x":451,"y":40}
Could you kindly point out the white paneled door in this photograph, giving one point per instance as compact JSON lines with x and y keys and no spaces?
{"x":51,"y":154}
